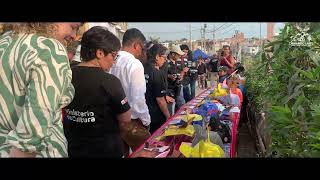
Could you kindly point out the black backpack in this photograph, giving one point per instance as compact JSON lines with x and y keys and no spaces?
{"x":221,"y":128}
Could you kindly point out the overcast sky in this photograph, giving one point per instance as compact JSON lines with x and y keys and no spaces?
{"x":174,"y":31}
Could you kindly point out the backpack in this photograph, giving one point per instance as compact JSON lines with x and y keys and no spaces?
{"x":221,"y":128}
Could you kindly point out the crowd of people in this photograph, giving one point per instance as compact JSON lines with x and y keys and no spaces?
{"x":105,"y":105}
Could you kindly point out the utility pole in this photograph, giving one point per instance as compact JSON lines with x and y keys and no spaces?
{"x":204,"y":37}
{"x":260,"y":37}
{"x":190,"y":41}
{"x":201,"y":36}
{"x":213,"y":39}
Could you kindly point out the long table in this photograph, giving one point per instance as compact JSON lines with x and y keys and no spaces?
{"x":141,"y":152}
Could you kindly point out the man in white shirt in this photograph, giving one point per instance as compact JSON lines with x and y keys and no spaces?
{"x":129,"y":69}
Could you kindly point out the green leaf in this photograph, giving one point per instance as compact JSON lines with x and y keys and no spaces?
{"x":298,"y":103}
{"x":273,"y":43}
{"x":307,"y":74}
{"x":316,"y":146}
{"x":295,"y":93}
{"x":314,"y":56}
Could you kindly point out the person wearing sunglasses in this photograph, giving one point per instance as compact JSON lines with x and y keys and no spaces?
{"x":99,"y":114}
{"x":156,"y":86}
{"x":174,"y":72}
{"x":129,"y":69}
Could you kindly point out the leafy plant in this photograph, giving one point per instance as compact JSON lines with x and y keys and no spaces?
{"x":284,"y":82}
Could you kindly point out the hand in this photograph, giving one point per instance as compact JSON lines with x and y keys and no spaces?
{"x":186,"y":69}
{"x":172,"y":77}
{"x":229,"y":107}
{"x":14,"y":152}
{"x":169,"y":99}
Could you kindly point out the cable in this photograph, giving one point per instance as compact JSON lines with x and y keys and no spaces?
{"x":171,"y":32}
{"x":228,"y":30}
{"x":216,"y":29}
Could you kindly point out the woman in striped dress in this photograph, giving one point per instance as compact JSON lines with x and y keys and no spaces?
{"x":35,"y":84}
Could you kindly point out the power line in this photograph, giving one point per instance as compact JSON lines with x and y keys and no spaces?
{"x":174,"y":32}
{"x":229,"y":30}
{"x":178,"y":32}
{"x":216,"y":29}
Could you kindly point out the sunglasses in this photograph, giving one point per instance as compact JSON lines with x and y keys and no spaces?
{"x":115,"y":55}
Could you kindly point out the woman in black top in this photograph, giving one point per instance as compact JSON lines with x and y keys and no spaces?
{"x":156,"y":86}
{"x":99,"y":112}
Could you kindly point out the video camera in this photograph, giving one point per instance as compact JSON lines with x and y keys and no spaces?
{"x":178,"y":78}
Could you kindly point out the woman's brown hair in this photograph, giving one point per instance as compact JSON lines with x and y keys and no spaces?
{"x":39,"y":28}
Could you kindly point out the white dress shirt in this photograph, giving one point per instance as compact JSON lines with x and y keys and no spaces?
{"x":130,"y":71}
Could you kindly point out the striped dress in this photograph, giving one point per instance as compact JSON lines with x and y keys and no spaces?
{"x":35,"y":84}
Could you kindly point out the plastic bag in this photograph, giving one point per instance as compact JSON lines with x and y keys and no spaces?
{"x":173,"y":131}
{"x":204,"y":149}
{"x":200,"y":134}
{"x":196,"y":119}
{"x":219,"y":91}
{"x":209,"y":108}
{"x":208,"y":149}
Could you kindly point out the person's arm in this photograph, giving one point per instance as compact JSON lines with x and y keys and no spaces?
{"x":138,"y":105}
{"x":172,"y":77}
{"x":159,"y":91}
{"x":163,"y":106}
{"x":205,"y":68}
{"x":120,"y":105}
{"x":169,"y":99}
{"x":124,"y":122}
{"x":233,"y":61}
{"x":46,"y":92}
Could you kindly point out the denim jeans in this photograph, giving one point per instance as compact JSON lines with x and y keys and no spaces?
{"x":180,"y":99}
{"x":171,"y":108}
{"x":193,"y":88}
{"x":186,"y":93}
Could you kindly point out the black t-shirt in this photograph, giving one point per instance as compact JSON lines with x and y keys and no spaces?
{"x":169,"y":68}
{"x":180,"y":65}
{"x":90,"y":122}
{"x":156,"y":87}
{"x":201,"y":69}
{"x":193,"y":72}
{"x":186,"y":77}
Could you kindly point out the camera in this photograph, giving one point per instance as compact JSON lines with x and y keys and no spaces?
{"x":178,"y":80}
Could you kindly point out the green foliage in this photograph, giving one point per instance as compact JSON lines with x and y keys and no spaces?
{"x":287,"y":87}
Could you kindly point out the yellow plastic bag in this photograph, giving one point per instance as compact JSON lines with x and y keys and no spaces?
{"x":186,"y":149}
{"x":174,"y":130}
{"x":218,"y":91}
{"x":195,"y":117}
{"x":204,"y":149}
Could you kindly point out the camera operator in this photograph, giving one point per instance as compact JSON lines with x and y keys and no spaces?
{"x":186,"y":60}
{"x":193,"y":74}
{"x":174,"y":77}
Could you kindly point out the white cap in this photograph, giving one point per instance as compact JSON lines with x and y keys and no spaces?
{"x":176,"y":49}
